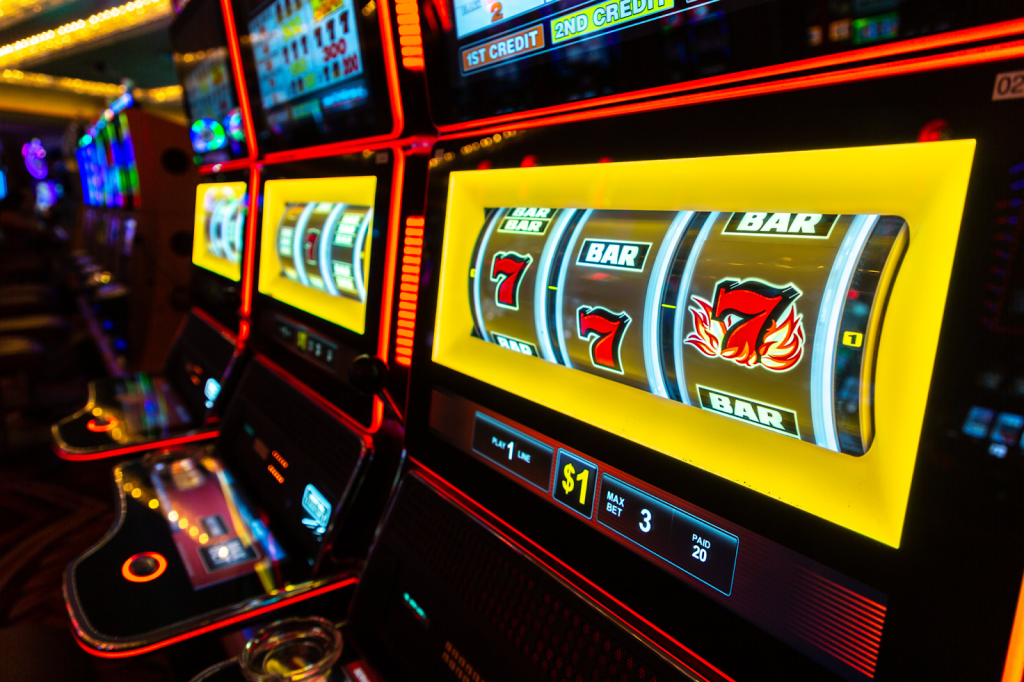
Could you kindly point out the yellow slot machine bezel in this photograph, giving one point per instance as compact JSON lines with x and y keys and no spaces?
{"x":359,"y":190}
{"x":201,"y":254}
{"x":924,"y":183}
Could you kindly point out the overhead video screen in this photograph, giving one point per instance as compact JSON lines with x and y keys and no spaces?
{"x":204,"y":69}
{"x":217,"y":244}
{"x":758,"y":316}
{"x":316,"y":243}
{"x":308,"y":60}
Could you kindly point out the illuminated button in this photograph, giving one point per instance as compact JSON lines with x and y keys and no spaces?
{"x":102,"y":425}
{"x":575,"y":480}
{"x":143,"y":567}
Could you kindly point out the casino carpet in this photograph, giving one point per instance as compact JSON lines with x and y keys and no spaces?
{"x":50,"y":512}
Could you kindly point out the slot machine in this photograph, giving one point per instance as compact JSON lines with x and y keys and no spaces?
{"x":277,"y":511}
{"x":183,"y":400}
{"x":716,"y":356}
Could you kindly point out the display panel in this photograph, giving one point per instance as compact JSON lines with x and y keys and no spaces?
{"x":218,"y":241}
{"x":316,"y":247}
{"x":316,"y":69}
{"x":486,"y":58}
{"x":203,"y":63}
{"x":753,"y":287}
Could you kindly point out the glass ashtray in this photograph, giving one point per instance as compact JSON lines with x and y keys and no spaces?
{"x":292,"y":650}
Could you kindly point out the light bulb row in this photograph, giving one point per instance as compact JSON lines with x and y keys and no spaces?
{"x":104,"y":23}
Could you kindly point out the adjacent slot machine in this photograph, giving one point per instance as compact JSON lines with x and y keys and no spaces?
{"x":731,"y":358}
{"x":182,"y":402}
{"x":281,"y":507}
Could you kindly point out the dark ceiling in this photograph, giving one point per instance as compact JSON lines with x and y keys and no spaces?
{"x":146,"y":59}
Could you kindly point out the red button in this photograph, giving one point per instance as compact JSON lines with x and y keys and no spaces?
{"x":102,"y":425}
{"x":143,"y":567}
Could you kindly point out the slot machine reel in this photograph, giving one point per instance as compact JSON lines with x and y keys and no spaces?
{"x":323,"y":245}
{"x":768,"y":318}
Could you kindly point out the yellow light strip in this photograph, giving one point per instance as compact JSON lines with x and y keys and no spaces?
{"x":13,"y":11}
{"x":171,"y":93}
{"x":104,"y":24}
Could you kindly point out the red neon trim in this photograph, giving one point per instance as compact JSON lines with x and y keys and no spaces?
{"x":126,"y":567}
{"x":249,"y":255}
{"x":988,"y":32}
{"x":235,"y":51}
{"x":140,"y":447}
{"x":221,"y":329}
{"x":969,"y":57}
{"x":225,"y":166}
{"x":391,"y":68}
{"x":324,"y":404}
{"x":455,"y":495}
{"x":394,"y":90}
{"x":390,"y":272}
{"x":95,"y":427}
{"x":216,"y":625}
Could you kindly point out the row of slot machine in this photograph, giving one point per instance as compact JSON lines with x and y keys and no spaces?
{"x":134,"y":173}
{"x":576,"y":340}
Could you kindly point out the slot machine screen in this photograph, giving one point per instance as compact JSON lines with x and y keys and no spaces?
{"x":492,"y":57}
{"x":316,"y":253}
{"x":217,"y":244}
{"x":316,"y":69}
{"x":204,"y":70}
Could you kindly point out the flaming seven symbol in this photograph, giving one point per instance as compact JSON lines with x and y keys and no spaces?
{"x":743,"y":325}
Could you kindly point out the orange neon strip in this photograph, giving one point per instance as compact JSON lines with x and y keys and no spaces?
{"x":1013,"y":671}
{"x":236,"y":68}
{"x":969,"y":35}
{"x":161,"y":566}
{"x":409,"y":289}
{"x":140,"y":447}
{"x":221,"y":329}
{"x":214,"y":626}
{"x":249,"y":255}
{"x":358,"y":429}
{"x":969,"y":57}
{"x":497,"y":524}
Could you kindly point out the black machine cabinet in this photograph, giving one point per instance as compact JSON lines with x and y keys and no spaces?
{"x":210,"y":535}
{"x":142,"y":411}
{"x":939,"y":598}
{"x":445,"y":592}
